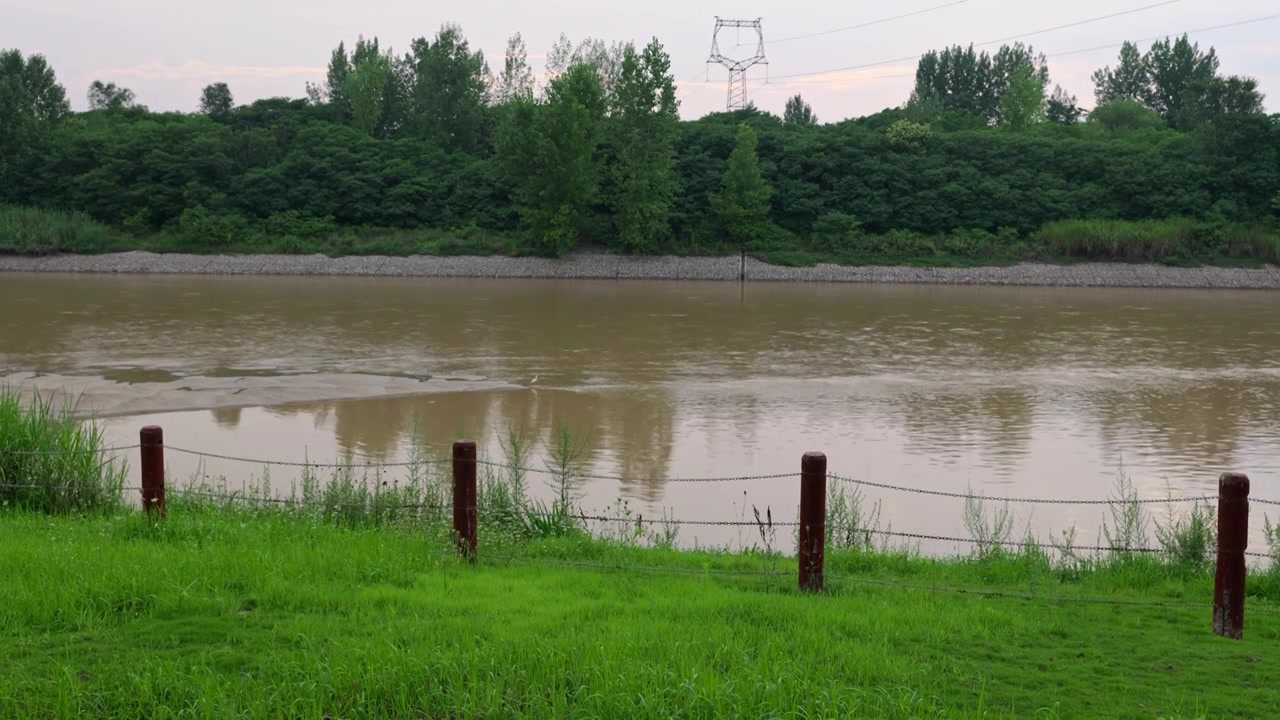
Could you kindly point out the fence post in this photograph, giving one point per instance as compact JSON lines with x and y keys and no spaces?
{"x":1233,"y":539}
{"x":151,"y":438}
{"x":465,"y":513}
{"x":813,"y":520}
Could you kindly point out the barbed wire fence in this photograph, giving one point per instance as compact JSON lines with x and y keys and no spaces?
{"x":440,"y":506}
{"x":576,"y":476}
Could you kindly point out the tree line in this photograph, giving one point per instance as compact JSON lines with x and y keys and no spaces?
{"x":976,"y":163}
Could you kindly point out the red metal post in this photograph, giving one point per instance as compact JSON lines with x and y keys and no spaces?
{"x":1233,"y":540}
{"x":813,"y":520}
{"x":152,"y":440}
{"x":465,"y":513}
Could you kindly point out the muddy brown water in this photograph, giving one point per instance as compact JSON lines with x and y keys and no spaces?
{"x":1026,"y":392}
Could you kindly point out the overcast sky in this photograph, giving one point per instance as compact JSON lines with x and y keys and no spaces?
{"x":167,"y":50}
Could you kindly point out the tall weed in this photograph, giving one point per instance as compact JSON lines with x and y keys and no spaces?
{"x":53,"y":462}
{"x":990,"y":532}
{"x":37,"y":231}
{"x":1189,"y":540}
{"x":1126,"y":531}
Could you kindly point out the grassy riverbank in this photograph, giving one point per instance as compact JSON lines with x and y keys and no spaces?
{"x":226,"y":612}
{"x":27,"y":231}
{"x":344,"y":599}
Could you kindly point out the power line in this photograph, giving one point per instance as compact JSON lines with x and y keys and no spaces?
{"x":1078,"y":51}
{"x":1161,"y":37}
{"x":985,"y":42}
{"x":868,"y":24}
{"x":1081,"y":22}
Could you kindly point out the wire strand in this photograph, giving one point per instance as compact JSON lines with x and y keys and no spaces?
{"x":307,"y":464}
{"x":1029,"y":501}
{"x":95,"y":451}
{"x":868,"y":24}
{"x":778,"y":78}
{"x":855,"y":580}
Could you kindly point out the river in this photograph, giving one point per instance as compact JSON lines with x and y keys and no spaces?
{"x":1026,"y":392}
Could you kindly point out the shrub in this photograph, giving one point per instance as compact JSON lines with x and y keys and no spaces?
{"x":296,"y":224}
{"x":906,"y":136}
{"x":835,"y":232}
{"x":203,"y":229}
{"x":1126,"y":115}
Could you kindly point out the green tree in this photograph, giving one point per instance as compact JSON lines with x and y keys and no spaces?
{"x":1163,"y":79}
{"x":1174,"y":68}
{"x":742,"y":205}
{"x":365,"y":86}
{"x":516,"y":79}
{"x":1017,"y":63}
{"x":550,"y":149}
{"x":956,"y":79}
{"x":799,"y":113}
{"x":108,"y":96}
{"x":1061,"y":107}
{"x":334,"y":91}
{"x":1130,"y":80}
{"x":1207,"y":101}
{"x":1023,"y":102}
{"x":32,"y":103}
{"x":646,"y":118}
{"x":29,"y":91}
{"x":962,"y":80}
{"x":216,"y":100}
{"x":604,"y":57}
{"x":450,"y":87}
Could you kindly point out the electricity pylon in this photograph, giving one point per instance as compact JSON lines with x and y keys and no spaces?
{"x":737,"y":68}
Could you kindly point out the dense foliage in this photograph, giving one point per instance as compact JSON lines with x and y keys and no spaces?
{"x":429,"y":152}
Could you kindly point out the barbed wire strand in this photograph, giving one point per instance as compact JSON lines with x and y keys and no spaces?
{"x":59,"y":488}
{"x":1031,"y":501}
{"x":855,"y":580}
{"x":96,"y":451}
{"x":619,"y":478}
{"x":306,"y":464}
{"x":502,"y":514}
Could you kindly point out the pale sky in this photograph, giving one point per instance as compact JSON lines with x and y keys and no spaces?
{"x":166,"y":51}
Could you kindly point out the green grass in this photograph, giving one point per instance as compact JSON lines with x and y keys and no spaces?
{"x":36,"y":231}
{"x":50,"y":460}
{"x":234,"y":612}
{"x":338,"y":242}
{"x":27,"y":231}
{"x":1174,"y":241}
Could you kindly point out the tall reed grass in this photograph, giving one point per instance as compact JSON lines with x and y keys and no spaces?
{"x":37,"y":231}
{"x":1174,"y":239}
{"x":51,"y":461}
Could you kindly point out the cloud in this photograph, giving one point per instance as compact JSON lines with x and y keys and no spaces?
{"x":200,"y":70}
{"x":843,"y":79}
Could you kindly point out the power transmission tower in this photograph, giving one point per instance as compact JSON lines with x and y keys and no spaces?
{"x":737,"y":68}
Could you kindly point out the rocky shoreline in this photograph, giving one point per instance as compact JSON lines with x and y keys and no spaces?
{"x":613,"y":267}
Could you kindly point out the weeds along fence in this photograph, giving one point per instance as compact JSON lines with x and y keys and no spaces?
{"x":819,"y":525}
